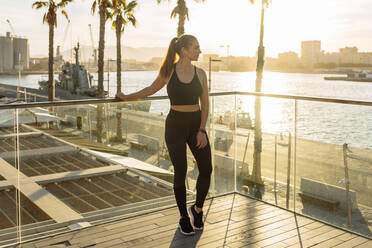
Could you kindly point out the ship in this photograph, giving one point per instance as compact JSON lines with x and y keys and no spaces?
{"x":73,"y":79}
{"x":354,"y":76}
{"x":75,"y":82}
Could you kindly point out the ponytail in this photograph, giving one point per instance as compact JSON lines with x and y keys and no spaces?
{"x":174,"y":49}
{"x":169,"y":60}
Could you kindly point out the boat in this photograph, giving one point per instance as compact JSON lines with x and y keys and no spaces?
{"x":354,"y":76}
{"x":243,"y":119}
{"x":74,"y":79}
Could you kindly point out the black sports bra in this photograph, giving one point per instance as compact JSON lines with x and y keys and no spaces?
{"x":184,"y":93}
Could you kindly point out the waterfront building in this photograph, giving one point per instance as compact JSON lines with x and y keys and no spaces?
{"x":348,"y":55}
{"x":289,"y":59}
{"x":351,"y":55}
{"x":14,"y":52}
{"x":310,"y":52}
{"x":329,"y":58}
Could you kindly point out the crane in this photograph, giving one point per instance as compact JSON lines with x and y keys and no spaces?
{"x":11,"y":26}
{"x":94,"y":55}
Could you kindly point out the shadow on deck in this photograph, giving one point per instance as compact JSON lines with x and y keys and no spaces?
{"x":231,"y":220}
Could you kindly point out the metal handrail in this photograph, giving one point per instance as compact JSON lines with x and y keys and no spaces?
{"x":153,"y":98}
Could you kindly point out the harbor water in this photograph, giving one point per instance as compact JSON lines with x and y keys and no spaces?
{"x":325,"y":122}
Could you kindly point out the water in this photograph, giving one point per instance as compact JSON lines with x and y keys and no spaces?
{"x":326,"y":122}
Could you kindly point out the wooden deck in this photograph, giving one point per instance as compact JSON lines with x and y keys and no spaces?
{"x":231,"y":221}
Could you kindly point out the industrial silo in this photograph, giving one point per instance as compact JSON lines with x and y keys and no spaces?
{"x":21,"y":47}
{"x":6,"y":54}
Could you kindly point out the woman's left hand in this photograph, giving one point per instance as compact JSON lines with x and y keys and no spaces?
{"x":201,"y":140}
{"x":120,"y":96}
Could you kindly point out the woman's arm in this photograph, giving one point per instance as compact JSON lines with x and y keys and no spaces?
{"x":204,"y":99}
{"x":145,"y":92}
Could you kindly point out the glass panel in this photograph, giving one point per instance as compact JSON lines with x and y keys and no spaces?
{"x":102,"y":162}
{"x":90,"y":173}
{"x":272,"y":179}
{"x":323,"y":128}
{"x":223,"y":142}
{"x":12,"y":214}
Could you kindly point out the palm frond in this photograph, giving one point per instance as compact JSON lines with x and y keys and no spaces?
{"x":187,"y":14}
{"x":40,"y":4}
{"x":63,"y":3}
{"x":132,"y":20}
{"x":94,"y":6}
{"x":65,"y":14}
{"x":109,"y":15}
{"x":113,"y":24}
{"x":175,"y":12}
{"x":159,"y":1}
{"x":45,"y":18}
{"x":124,"y":12}
{"x":132,"y":5}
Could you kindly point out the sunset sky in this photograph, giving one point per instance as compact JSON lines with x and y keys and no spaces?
{"x":337,"y":23}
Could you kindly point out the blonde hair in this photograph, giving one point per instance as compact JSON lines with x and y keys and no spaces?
{"x":174,"y":51}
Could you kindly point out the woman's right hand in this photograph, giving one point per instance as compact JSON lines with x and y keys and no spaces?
{"x":120,"y":96}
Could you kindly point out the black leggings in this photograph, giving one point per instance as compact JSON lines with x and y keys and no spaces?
{"x":182,"y":128}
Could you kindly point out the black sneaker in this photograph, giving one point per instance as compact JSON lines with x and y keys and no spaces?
{"x":197,"y":218}
{"x":186,"y":227}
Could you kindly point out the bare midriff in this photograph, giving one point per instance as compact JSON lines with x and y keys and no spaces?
{"x":186,"y":108}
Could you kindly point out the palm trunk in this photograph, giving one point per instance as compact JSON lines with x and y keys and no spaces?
{"x":101,"y":48}
{"x":119,"y":133}
{"x":256,"y":171}
{"x":181,"y":17}
{"x":51,"y":89}
{"x":181,"y":26}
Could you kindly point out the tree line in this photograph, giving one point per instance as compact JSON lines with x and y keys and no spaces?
{"x":122,"y":14}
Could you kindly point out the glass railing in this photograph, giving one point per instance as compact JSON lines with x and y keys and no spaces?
{"x":81,"y":163}
{"x":316,"y":159}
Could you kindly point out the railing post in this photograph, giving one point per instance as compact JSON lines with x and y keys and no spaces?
{"x":211,"y":140}
{"x":294,"y":157}
{"x":288,"y":169}
{"x":275,"y":169}
{"x":347,"y":186}
{"x":235,"y":143}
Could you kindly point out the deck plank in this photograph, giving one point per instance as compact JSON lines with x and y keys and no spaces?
{"x":230,"y":221}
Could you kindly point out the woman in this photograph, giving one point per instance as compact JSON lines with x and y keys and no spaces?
{"x":185,"y":123}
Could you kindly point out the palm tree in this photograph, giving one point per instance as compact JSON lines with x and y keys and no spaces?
{"x":183,"y":12}
{"x":50,"y":17}
{"x":123,"y":13}
{"x":256,"y":171}
{"x":103,"y":7}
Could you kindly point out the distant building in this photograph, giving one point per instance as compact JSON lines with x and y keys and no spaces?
{"x":14,"y":51}
{"x":289,"y":59}
{"x":348,"y":55}
{"x":204,"y":63}
{"x":206,"y":57}
{"x":310,"y":53}
{"x":365,"y":58}
{"x":156,"y":60}
{"x":351,"y":56}
{"x":242,"y":63}
{"x":329,"y":58}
